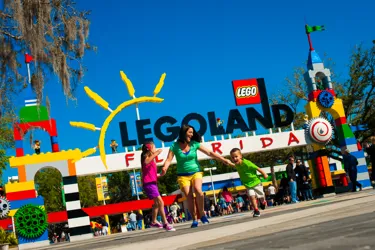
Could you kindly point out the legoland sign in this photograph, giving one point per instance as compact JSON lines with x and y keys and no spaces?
{"x":246,"y":92}
{"x":251,"y":144}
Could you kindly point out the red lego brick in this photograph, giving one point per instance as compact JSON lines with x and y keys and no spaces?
{"x":21,"y":195}
{"x":19,"y":152}
{"x":55,"y":147}
{"x":313,"y":96}
{"x":340,"y":121}
{"x":17,"y":132}
{"x":49,"y":126}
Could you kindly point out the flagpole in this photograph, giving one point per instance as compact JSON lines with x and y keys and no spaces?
{"x":309,"y":37}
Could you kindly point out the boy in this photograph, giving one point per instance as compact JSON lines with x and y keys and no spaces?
{"x":248,"y":175}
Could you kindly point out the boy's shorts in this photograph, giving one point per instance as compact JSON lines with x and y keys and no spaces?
{"x":256,"y":191}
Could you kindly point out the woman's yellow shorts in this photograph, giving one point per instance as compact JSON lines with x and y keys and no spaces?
{"x":184,"y":181}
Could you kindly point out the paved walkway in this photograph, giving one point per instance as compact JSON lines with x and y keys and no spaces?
{"x":223,"y":229}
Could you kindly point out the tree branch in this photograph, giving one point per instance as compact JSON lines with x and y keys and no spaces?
{"x":10,"y":35}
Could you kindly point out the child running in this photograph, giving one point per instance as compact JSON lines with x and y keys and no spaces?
{"x":150,"y":186}
{"x":248,"y":175}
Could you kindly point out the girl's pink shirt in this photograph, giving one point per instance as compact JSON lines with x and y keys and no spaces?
{"x":149,"y":172}
{"x":227,"y":196}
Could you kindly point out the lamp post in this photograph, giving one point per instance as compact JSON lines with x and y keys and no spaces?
{"x":212,"y":182}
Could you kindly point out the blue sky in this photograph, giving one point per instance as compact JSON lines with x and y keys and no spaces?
{"x":202,"y":46}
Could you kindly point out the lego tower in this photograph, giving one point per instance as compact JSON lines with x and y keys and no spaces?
{"x":322,"y":98}
{"x":22,"y":195}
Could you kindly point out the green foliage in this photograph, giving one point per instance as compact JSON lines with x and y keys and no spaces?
{"x":7,"y":238}
{"x":48,"y":181}
{"x":119,"y":187}
{"x":87,"y":191}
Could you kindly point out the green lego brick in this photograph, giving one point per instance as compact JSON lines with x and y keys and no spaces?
{"x":344,"y":131}
{"x":33,"y":114}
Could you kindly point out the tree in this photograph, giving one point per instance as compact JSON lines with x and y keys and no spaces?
{"x":53,"y":31}
{"x":119,"y":187}
{"x":87,"y":191}
{"x":48,"y":182}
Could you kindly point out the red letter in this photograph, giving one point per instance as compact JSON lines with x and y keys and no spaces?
{"x":270,"y":141}
{"x":216,"y":147}
{"x":292,"y":138}
{"x":157,"y":159}
{"x":241,"y":145}
{"x":129,"y":157}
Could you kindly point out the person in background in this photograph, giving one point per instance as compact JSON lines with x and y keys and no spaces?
{"x":228,"y":199}
{"x":239,"y":202}
{"x":370,"y":150}
{"x":301,"y":171}
{"x":223,"y":205}
{"x":350,"y":165}
{"x":133,"y":221}
{"x":292,"y":179}
{"x":212,"y":209}
{"x":271,"y":193}
{"x":139,"y":220}
{"x":306,"y":189}
{"x":207,"y":204}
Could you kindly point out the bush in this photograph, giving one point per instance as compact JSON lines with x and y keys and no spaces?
{"x":6,"y":237}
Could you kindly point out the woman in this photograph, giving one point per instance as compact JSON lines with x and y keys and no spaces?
{"x":188,"y":169}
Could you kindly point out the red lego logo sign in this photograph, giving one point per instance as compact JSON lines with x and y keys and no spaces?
{"x":246,"y":92}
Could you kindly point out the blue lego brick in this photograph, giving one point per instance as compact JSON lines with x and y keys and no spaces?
{"x":43,"y":237}
{"x":348,"y":141}
{"x":19,"y":144}
{"x":54,"y":140}
{"x":332,"y":167}
{"x":38,"y":201}
{"x":365,"y":183}
{"x":362,"y":169}
{"x":358,"y":154}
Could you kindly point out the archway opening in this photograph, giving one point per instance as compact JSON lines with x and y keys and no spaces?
{"x":49,"y":185}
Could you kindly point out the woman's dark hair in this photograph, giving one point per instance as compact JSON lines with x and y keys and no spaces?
{"x":225,"y":189}
{"x":146,"y":151}
{"x":182,"y":136}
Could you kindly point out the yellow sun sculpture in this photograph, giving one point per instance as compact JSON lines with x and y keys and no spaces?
{"x":104,"y":104}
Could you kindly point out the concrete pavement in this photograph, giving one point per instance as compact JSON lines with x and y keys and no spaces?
{"x":227,"y":231}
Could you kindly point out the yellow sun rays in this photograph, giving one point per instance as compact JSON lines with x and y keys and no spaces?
{"x":104,"y":104}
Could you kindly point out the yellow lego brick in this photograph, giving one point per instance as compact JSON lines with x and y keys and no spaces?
{"x":47,"y":157}
{"x":337,"y":109}
{"x":338,"y":172}
{"x":21,"y":186}
{"x":312,"y":109}
{"x":14,"y":211}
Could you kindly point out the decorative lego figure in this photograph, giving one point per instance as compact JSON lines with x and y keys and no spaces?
{"x":113,"y":146}
{"x":219,"y":122}
{"x":36,"y":146}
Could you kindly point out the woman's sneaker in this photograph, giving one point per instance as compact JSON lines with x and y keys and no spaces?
{"x":169,"y":228}
{"x":157,"y":225}
{"x":204,"y":220}
{"x":194,"y":224}
{"x":263,"y":205}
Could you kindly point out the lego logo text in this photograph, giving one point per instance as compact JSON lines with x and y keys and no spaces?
{"x":246,"y":91}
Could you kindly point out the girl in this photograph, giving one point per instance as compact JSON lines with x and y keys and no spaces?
{"x":150,"y":186}
{"x":188,"y":169}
